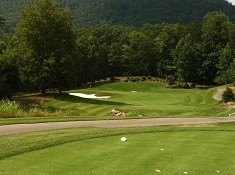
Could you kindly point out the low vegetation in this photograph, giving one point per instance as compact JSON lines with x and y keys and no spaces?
{"x":12,"y":109}
{"x":228,"y":95}
{"x":172,"y":150}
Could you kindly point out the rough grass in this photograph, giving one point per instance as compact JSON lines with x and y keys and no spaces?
{"x":8,"y":108}
{"x":11,"y":109}
{"x":152,"y":99}
{"x":199,"y":149}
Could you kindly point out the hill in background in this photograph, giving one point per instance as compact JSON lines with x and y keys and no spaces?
{"x":127,"y":12}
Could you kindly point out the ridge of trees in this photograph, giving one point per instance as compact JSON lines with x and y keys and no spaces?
{"x":126,"y":12}
{"x":45,"y":52}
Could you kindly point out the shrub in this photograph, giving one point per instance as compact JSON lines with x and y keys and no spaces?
{"x":193,"y":85}
{"x":179,"y":85}
{"x":137,"y":78}
{"x":174,"y":86}
{"x":132,"y":114}
{"x":157,"y":79}
{"x":185,"y":86}
{"x":133,"y":80}
{"x":9,"y":109}
{"x":170,"y":79}
{"x":143,"y":78}
{"x":112,"y":79}
{"x":228,"y":95}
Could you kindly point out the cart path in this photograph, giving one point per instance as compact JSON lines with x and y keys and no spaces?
{"x":24,"y":128}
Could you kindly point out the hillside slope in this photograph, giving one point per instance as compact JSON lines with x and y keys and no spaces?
{"x":127,"y":12}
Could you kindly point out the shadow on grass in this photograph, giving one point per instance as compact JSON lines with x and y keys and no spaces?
{"x":93,"y":85}
{"x":32,"y":100}
{"x":205,"y":87}
{"x":73,"y":99}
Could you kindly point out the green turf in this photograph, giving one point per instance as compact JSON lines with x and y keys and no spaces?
{"x":200,"y":149}
{"x":31,"y":120}
{"x":152,"y":99}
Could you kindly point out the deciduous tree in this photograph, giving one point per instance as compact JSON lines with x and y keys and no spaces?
{"x":186,"y":61}
{"x":2,"y":21}
{"x":224,"y":64}
{"x":215,"y":35}
{"x":45,"y":30}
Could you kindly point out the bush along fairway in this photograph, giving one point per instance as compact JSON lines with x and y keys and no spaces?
{"x":200,"y":149}
{"x":142,"y":100}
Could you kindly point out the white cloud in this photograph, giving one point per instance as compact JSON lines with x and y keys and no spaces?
{"x":232,"y":1}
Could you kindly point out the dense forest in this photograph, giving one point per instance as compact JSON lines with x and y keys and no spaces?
{"x":46,"y":52}
{"x":126,"y":12}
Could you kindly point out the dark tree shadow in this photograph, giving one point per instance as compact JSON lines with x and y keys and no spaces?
{"x":206,"y":87}
{"x":93,"y":85}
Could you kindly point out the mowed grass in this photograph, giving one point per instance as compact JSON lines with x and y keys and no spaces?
{"x":148,"y":99}
{"x":200,"y":149}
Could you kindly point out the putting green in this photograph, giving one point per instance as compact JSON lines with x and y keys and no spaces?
{"x":194,"y":152}
{"x":149,"y":99}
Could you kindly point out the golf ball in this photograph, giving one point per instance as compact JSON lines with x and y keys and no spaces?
{"x":123,"y":139}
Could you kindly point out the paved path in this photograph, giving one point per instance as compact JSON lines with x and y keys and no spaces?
{"x":23,"y":128}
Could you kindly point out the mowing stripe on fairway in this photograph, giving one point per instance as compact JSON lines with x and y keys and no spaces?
{"x":202,"y":153}
{"x":151,"y":99}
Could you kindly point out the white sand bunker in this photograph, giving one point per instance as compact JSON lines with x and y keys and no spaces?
{"x":90,"y":96}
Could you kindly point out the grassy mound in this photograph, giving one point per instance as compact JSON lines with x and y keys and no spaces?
{"x":148,"y":99}
{"x":172,"y":150}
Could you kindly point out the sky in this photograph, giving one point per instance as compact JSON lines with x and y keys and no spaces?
{"x":232,"y":1}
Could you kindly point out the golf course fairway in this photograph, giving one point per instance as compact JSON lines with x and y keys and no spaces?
{"x":201,"y":149}
{"x":146,"y":99}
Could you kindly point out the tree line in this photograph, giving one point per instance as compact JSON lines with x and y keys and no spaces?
{"x":125,"y":12}
{"x":45,"y":52}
